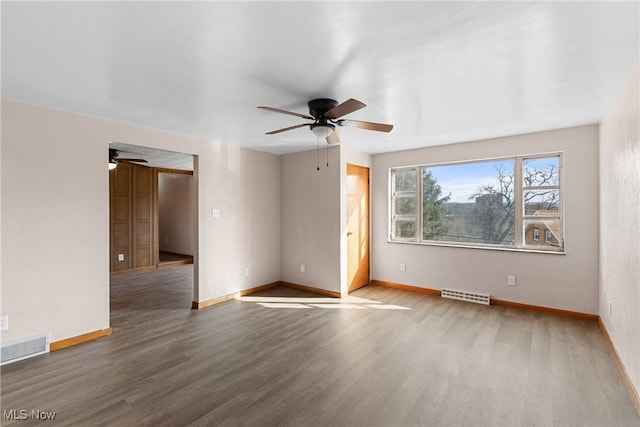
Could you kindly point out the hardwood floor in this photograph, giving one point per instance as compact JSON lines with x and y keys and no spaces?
{"x":173,"y":259}
{"x":382,"y":357}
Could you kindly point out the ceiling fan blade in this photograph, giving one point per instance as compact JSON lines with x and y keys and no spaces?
{"x":291,"y":113}
{"x":380,"y":127}
{"x":131,"y":160}
{"x":289,"y":128}
{"x":333,"y":138}
{"x":348,"y":106}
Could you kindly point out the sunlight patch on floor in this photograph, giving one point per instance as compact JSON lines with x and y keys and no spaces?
{"x":347,"y":303}
{"x":291,"y":300}
{"x":339,"y":306}
{"x":387,"y":307}
{"x":283,"y":305}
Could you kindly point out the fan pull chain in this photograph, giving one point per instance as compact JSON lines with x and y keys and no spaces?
{"x":318,"y":153}
{"x":327,"y":155}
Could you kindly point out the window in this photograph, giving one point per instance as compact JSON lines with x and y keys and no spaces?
{"x":491,"y":203}
{"x":404,"y":204}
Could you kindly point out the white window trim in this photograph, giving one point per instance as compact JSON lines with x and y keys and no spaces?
{"x":392,"y":206}
{"x":519,"y":220}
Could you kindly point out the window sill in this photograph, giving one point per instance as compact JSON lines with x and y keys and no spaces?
{"x":491,"y":248}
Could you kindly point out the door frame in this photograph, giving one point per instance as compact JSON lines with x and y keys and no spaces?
{"x":368,"y":226}
{"x":195,"y":174}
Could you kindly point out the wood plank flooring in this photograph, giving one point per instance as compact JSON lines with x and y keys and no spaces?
{"x":382,"y":357}
{"x":172,"y":259}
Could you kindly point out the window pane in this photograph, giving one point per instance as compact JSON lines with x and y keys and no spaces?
{"x":406,"y":204}
{"x":405,"y":229}
{"x":469,"y":203}
{"x":549,"y":234}
{"x":405,"y":180}
{"x":542,"y":171}
{"x":542,"y":202}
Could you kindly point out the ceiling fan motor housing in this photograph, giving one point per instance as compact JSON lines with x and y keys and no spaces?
{"x":317,"y":107}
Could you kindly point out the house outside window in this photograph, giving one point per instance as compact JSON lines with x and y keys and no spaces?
{"x":496,"y":203}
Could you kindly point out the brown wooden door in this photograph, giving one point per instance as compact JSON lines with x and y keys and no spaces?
{"x":133,"y":241}
{"x":143,"y":236}
{"x":120,"y":216}
{"x":357,"y":226}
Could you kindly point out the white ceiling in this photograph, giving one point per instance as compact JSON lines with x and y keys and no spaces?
{"x":441,"y":72}
{"x":154,"y":157}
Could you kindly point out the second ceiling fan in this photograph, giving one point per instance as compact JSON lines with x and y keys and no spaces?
{"x":114,"y":159}
{"x":326,"y":115}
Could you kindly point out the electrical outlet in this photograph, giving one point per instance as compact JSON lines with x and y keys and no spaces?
{"x":246,"y":271}
{"x":4,"y":323}
{"x":166,"y":240}
{"x":403,"y":266}
{"x":120,"y":257}
{"x":301,"y":268}
{"x":511,"y":280}
{"x":215,"y":213}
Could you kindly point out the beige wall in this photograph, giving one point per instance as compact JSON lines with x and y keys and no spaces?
{"x":177,"y":204}
{"x":310,"y":219}
{"x":620,"y":225}
{"x":55,"y":222}
{"x":55,"y":218}
{"x":568,"y":282}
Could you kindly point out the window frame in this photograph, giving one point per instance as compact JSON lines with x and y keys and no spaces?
{"x":392,"y":206}
{"x":519,"y":209}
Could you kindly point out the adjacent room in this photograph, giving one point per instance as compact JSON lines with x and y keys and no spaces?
{"x":320,"y":213}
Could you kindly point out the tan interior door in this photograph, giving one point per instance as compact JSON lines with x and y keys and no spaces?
{"x":357,"y":226}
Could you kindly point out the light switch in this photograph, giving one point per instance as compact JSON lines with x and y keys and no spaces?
{"x":215,"y":213}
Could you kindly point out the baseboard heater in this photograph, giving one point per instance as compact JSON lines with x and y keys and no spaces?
{"x":23,"y":349}
{"x":475,"y":297}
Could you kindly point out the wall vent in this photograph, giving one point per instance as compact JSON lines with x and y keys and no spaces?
{"x":466,"y":296}
{"x":23,"y":349}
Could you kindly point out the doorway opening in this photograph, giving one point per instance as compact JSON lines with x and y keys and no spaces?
{"x":153,"y":201}
{"x":176,"y":205}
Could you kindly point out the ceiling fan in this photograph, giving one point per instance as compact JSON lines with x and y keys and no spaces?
{"x":114,"y":159}
{"x":326,"y":114}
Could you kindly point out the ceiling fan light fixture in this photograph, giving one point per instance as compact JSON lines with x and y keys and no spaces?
{"x":322,"y":130}
{"x":327,"y":114}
